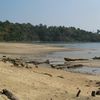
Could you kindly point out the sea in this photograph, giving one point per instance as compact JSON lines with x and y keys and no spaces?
{"x":85,"y":50}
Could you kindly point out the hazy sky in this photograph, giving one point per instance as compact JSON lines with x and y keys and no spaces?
{"x":84,"y":14}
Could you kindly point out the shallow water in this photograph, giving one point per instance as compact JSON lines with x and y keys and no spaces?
{"x":89,"y":70}
{"x":90,"y":50}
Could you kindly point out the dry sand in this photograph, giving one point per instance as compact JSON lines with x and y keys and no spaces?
{"x":43,"y":83}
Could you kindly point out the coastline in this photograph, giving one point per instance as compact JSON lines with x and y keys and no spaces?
{"x":43,"y":82}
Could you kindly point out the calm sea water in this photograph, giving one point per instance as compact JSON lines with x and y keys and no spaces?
{"x":89,"y":51}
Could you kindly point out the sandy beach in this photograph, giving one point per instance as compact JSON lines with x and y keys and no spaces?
{"x":44,"y":83}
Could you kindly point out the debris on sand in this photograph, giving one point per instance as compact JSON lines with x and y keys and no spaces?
{"x":98,"y":83}
{"x":78,"y":93}
{"x":96,"y":58}
{"x":15,"y":61}
{"x":75,"y":66}
{"x":38,"y":62}
{"x":57,"y":66}
{"x":93,"y":93}
{"x":9,"y":94}
{"x":70,"y":59}
{"x":60,"y":77}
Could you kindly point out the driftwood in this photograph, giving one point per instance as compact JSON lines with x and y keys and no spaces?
{"x":60,"y":77}
{"x":96,"y":58}
{"x":15,"y":62}
{"x":93,"y":93}
{"x":53,"y":66}
{"x":47,"y":74}
{"x":9,"y":94}
{"x":98,"y":92}
{"x":78,"y":93}
{"x":70,"y":59}
{"x":37,"y":62}
{"x":98,"y":83}
{"x":75,"y":66}
{"x":57,"y":66}
{"x":5,"y":59}
{"x":20,"y":63}
{"x":43,"y":73}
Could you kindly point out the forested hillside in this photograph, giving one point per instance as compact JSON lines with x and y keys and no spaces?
{"x":28,"y":32}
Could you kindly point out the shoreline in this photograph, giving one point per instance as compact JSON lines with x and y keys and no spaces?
{"x":42,"y":81}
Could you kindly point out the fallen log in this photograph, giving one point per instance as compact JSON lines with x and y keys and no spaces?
{"x":78,"y":93}
{"x":53,"y":66}
{"x":60,"y":77}
{"x":96,"y":58}
{"x":93,"y":93}
{"x":98,"y":83}
{"x":37,"y":62}
{"x":9,"y":94}
{"x":57,"y":66}
{"x":47,"y":74}
{"x":75,"y":66}
{"x":98,"y":92}
{"x":70,"y":59}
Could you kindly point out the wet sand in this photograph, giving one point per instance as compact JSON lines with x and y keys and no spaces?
{"x":43,"y":83}
{"x":35,"y":49}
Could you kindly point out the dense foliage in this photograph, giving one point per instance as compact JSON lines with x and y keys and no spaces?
{"x":27,"y":32}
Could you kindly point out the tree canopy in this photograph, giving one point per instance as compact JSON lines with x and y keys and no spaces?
{"x":28,"y":32}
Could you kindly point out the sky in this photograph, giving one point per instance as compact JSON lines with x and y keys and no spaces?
{"x":84,"y":14}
